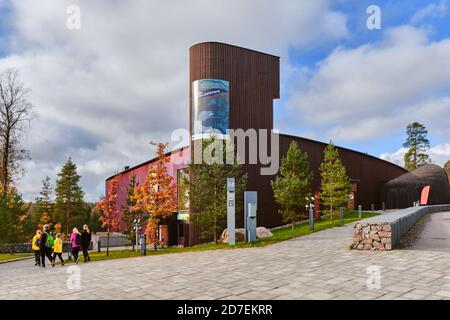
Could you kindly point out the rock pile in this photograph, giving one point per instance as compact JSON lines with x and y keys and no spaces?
{"x":372,"y":236}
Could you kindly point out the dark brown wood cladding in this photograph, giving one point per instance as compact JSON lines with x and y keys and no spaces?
{"x":253,"y":77}
{"x":254,"y":82}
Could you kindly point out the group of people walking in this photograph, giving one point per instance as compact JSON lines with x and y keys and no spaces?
{"x":45,"y":245}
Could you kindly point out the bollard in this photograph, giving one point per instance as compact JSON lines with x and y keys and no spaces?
{"x":69,"y":250}
{"x":99,"y":246}
{"x":143,"y":245}
{"x":383,"y":206}
{"x":342,"y":216}
{"x":311,"y":219}
{"x":372,"y":207}
{"x":359,"y":211}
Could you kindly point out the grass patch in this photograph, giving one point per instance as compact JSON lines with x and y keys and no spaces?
{"x":303,"y":228}
{"x":9,"y":256}
{"x":281,"y":234}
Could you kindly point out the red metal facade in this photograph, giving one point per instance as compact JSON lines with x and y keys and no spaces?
{"x":140,"y":172}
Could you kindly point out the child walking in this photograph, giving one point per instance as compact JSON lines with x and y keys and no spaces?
{"x":58,"y":249}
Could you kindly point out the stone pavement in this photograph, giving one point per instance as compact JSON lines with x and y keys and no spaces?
{"x":318,"y":266}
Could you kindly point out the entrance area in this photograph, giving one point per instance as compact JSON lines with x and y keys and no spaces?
{"x":178,"y":229}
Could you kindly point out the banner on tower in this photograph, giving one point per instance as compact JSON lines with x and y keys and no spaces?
{"x":210,"y":108}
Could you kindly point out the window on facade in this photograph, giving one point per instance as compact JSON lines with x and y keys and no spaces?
{"x":183,"y":189}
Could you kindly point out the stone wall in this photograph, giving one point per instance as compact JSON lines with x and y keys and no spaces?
{"x":385,"y":231}
{"x":372,"y":236}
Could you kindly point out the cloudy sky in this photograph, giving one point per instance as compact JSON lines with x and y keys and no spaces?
{"x":102,"y":92}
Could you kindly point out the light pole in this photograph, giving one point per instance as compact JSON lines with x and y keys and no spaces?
{"x":310,"y":206}
{"x":137,"y":227}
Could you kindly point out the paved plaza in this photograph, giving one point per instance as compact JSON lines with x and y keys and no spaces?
{"x":318,"y":266}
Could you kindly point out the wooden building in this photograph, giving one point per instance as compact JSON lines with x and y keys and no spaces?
{"x":253,"y":80}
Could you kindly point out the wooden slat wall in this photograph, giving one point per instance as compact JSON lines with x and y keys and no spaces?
{"x":253,"y":76}
{"x":254,"y":83}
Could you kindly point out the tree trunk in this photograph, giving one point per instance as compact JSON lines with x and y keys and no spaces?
{"x":67,"y":214}
{"x":5,"y":163}
{"x":331,"y":209}
{"x":293,"y":222}
{"x":107,"y":246}
{"x":156,"y":238}
{"x":215,"y":231}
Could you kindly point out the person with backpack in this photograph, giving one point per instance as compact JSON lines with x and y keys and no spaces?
{"x":58,"y":249}
{"x":46,"y":245}
{"x":86,"y":242}
{"x":75,"y":239}
{"x":35,"y":246}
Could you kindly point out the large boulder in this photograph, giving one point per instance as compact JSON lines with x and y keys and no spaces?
{"x":240,"y":235}
{"x":262,"y":232}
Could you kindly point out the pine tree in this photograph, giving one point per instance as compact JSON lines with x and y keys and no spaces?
{"x":44,"y":202}
{"x":293,"y":184}
{"x":335,"y":185}
{"x":208,"y":191}
{"x":130,"y":210}
{"x":69,"y":195}
{"x":32,"y":221}
{"x":13,"y":216}
{"x":417,"y":144}
{"x":94,"y":222}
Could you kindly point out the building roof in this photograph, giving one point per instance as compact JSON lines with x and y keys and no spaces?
{"x":286,"y":135}
{"x":342,"y":148}
{"x":147,"y":162}
{"x":406,"y":189}
{"x":232,"y":45}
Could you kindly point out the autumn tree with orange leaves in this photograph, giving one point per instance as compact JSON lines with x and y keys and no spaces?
{"x":109,"y":210}
{"x":45,"y":219}
{"x":156,"y":197}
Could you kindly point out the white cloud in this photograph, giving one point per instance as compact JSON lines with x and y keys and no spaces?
{"x":101,"y":93}
{"x":372,"y":90}
{"x":439,"y":155}
{"x":432,"y":10}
